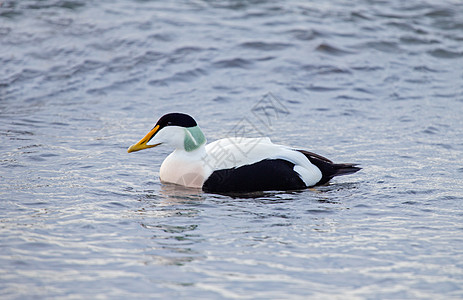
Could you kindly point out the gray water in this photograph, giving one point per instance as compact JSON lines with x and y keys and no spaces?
{"x":379,"y":83}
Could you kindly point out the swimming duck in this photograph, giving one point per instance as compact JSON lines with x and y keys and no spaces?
{"x":234,"y":165}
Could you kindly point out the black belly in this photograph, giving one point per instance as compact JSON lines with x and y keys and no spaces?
{"x":266,"y":175}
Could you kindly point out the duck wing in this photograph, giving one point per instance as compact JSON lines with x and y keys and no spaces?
{"x":256,"y":164}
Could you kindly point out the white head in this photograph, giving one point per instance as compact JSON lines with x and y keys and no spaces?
{"x":175,"y":129}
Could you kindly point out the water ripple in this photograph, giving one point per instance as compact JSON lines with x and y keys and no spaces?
{"x":444,"y":53}
{"x":265,"y":46}
{"x":332,"y":50}
{"x":233,"y":63}
{"x":372,"y":82}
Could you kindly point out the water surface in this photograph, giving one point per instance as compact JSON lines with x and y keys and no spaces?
{"x":379,"y":83}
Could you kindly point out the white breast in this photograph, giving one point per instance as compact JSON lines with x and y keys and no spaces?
{"x":184,"y":168}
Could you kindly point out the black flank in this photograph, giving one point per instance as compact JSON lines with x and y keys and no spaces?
{"x":266,"y":175}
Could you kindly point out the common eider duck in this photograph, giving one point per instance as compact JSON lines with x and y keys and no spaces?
{"x":234,"y":165}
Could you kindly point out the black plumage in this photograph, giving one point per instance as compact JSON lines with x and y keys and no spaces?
{"x":272,"y":174}
{"x":265,"y":175}
{"x":176,"y":119}
{"x":328,"y":168}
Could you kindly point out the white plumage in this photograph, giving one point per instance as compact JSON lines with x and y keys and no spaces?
{"x":247,"y":151}
{"x":234,"y":164}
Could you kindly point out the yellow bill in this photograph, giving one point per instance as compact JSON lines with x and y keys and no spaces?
{"x":142,"y":143}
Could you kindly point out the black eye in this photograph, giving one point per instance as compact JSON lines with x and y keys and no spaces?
{"x":169,"y":123}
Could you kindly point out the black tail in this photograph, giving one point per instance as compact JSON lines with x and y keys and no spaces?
{"x":328,"y":168}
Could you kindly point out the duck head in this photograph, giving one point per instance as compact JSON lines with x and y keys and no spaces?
{"x":175,"y":129}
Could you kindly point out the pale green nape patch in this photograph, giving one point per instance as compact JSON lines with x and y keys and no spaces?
{"x":194,"y":138}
